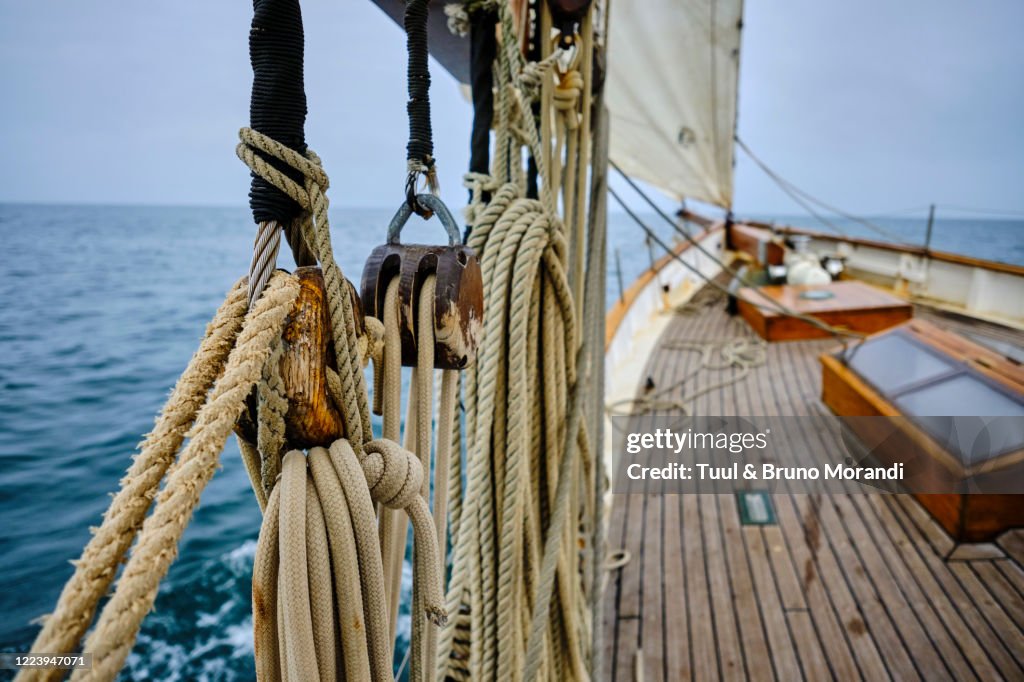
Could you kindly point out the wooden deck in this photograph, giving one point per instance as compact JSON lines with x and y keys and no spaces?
{"x":844,"y":587}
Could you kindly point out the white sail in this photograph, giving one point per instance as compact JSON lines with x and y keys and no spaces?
{"x":673,"y":69}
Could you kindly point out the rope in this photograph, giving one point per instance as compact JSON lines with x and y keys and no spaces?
{"x":272,"y":405}
{"x":799,"y":196}
{"x":264,"y":593}
{"x":118,"y":624}
{"x":251,"y":461}
{"x":301,"y":654}
{"x":96,"y":567}
{"x":321,"y":594}
{"x":423,"y":381}
{"x":520,"y":589}
{"x":617,"y":559}
{"x":395,"y":477}
{"x":264,"y":258}
{"x":521,"y":250}
{"x":349,"y":473}
{"x":740,"y":353}
{"x":356,"y":627}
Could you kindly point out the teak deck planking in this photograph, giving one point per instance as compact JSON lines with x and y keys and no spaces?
{"x":844,"y":587}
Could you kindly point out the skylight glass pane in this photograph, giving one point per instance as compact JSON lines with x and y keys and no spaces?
{"x":892,"y":363}
{"x":955,"y":412}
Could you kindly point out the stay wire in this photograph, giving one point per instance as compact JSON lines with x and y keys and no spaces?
{"x":838,"y":333}
{"x":1009,"y":213}
{"x":799,"y":196}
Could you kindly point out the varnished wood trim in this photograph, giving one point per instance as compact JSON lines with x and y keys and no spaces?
{"x":944,"y":256}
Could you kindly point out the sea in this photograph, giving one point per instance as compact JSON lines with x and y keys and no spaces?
{"x":100,"y":309}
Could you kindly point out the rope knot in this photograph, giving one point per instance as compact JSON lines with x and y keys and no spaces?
{"x":393,"y":474}
{"x":458,"y":19}
{"x":567,"y":95}
{"x":255,"y":147}
{"x":395,"y":478}
{"x":371,"y":343}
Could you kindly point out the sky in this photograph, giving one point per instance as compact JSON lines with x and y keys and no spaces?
{"x":874,"y":106}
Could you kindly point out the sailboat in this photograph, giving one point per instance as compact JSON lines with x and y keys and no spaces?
{"x":530,"y":560}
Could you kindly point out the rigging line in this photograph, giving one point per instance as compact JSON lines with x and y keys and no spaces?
{"x":984,"y":211}
{"x":820,"y":218}
{"x":791,"y":193}
{"x":836,"y":332}
{"x":791,"y":189}
{"x":685,"y":233}
{"x":895,"y":212}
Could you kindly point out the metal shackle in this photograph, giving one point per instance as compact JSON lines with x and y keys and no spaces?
{"x":436,"y":207}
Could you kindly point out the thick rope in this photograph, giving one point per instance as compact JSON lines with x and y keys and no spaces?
{"x":357,"y":493}
{"x":442,"y":464}
{"x":522,"y":590}
{"x":272,"y":406}
{"x":97,"y":566}
{"x":300,"y":660}
{"x":348,"y":593}
{"x":523,"y":261}
{"x":424,"y":388}
{"x":118,"y":624}
{"x":321,"y":592}
{"x":264,"y":594}
{"x":395,"y":477}
{"x":251,"y":461}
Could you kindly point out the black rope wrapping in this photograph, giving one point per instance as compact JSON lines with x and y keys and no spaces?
{"x":278,"y":105}
{"x":483,"y":50}
{"x":421,"y":139}
{"x":533,"y":55}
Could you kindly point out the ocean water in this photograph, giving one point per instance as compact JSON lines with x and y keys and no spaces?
{"x":100,"y":309}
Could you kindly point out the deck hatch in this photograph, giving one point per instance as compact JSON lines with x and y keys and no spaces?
{"x":755,"y":508}
{"x":941,"y":394}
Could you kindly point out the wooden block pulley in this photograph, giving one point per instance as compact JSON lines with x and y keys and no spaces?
{"x":458,"y":294}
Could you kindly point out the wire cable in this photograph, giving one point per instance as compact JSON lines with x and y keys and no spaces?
{"x":798,"y":195}
{"x":769,"y":303}
{"x":984,"y":211}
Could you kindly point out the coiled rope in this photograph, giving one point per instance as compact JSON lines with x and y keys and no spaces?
{"x":364,"y":472}
{"x":739,"y":353}
{"x":519,"y":596}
